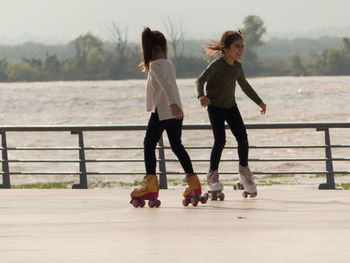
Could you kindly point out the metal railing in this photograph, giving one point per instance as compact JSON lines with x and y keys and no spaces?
{"x":82,"y":149}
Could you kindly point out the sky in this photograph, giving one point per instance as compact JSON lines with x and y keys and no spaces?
{"x":60,"y":21}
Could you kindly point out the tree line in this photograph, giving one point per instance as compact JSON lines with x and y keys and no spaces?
{"x":94,"y":59}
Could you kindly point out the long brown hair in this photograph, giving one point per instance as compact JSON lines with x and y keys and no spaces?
{"x":226,"y":40}
{"x":152,"y":41}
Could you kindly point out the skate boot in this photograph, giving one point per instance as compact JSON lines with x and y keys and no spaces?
{"x":193,"y":191}
{"x":214,"y":186}
{"x":247,"y":180}
{"x":148,"y":190}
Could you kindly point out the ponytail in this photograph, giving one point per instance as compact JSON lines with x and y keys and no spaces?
{"x":226,"y":40}
{"x":151,"y":41}
{"x":146,"y":38}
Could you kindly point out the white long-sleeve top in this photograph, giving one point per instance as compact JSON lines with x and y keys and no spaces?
{"x":162,"y":90}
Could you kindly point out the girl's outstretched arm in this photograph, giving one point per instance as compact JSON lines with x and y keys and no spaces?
{"x":262,"y":105}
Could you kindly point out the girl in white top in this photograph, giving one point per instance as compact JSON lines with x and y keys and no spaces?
{"x":163,"y":100}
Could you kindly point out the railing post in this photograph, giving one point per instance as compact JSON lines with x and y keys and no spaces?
{"x":163,"y":184}
{"x":5,"y":165}
{"x":330,"y":184}
{"x":83,"y":177}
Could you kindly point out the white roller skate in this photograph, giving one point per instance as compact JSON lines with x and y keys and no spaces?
{"x":214,"y":186}
{"x":247,"y":180}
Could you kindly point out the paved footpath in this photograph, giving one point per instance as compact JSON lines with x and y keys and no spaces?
{"x":101,"y":226}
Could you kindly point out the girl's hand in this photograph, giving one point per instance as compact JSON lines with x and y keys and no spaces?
{"x":176,"y":111}
{"x":204,"y":101}
{"x":263,"y":108}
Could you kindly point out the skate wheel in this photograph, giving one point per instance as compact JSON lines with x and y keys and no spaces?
{"x":185,"y":202}
{"x":142,"y":203}
{"x":214,"y":197}
{"x":204,"y":198}
{"x":245,"y":194}
{"x":222,"y":196}
{"x":135,"y":203}
{"x":194,"y":201}
{"x":253,"y":195}
{"x":158,"y":203}
{"x":151,"y":203}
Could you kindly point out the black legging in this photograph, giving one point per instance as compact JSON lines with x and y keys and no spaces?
{"x":232,"y":116}
{"x":154,"y":130}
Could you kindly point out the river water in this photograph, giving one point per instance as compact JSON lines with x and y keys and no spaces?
{"x":288,"y":99}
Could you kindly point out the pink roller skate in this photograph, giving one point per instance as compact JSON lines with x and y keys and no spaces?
{"x":193,"y":191}
{"x":148,"y":190}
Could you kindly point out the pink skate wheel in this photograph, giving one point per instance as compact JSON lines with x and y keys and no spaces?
{"x":158,"y":203}
{"x":204,"y":198}
{"x":253,"y":195}
{"x":185,"y":202}
{"x":135,"y":203}
{"x":151,"y":203}
{"x":142,"y":203}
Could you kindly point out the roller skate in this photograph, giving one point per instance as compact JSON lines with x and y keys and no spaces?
{"x":247,"y":180}
{"x":214,"y":186}
{"x":148,"y":190}
{"x":193,"y":191}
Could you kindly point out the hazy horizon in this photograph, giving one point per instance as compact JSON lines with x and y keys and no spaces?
{"x":57,"y":22}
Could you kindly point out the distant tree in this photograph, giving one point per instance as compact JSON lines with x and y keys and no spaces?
{"x":346,"y":55}
{"x":52,"y":68}
{"x":253,"y":31}
{"x":332,"y":61}
{"x":296,"y":66}
{"x":176,"y":35}
{"x":346,"y":42}
{"x":35,"y":63}
{"x":89,"y":56}
{"x":118,"y":61}
{"x":119,"y":36}
{"x":21,"y":71}
{"x":3,"y":69}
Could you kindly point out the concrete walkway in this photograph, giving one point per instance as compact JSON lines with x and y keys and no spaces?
{"x":101,"y":226}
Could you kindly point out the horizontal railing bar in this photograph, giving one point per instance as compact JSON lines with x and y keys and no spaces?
{"x":71,"y":148}
{"x":173,"y":173}
{"x":73,"y":161}
{"x":269,"y":160}
{"x":45,"y":173}
{"x":77,"y":173}
{"x":272,"y":173}
{"x":171,"y":160}
{"x":115,"y":148}
{"x":169,"y":148}
{"x":269,"y":147}
{"x":40,"y":148}
{"x":79,"y":128}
